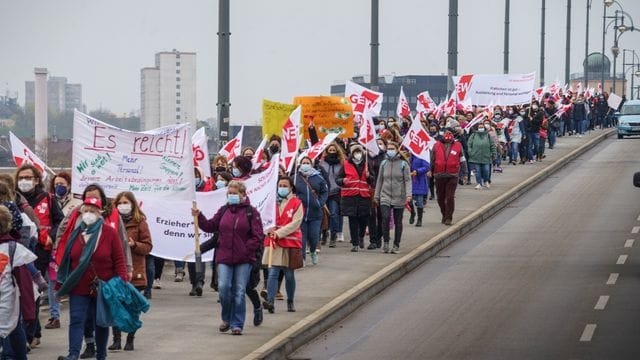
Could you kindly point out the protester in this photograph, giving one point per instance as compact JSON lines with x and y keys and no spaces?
{"x":579,"y":111}
{"x":481,"y":152}
{"x":283,"y":244}
{"x":331,"y":164}
{"x":393,"y":192}
{"x":240,"y":236}
{"x":139,"y":240}
{"x":93,"y":251}
{"x":375,"y":216}
{"x":29,"y":183}
{"x":447,"y":159}
{"x":535,"y":124}
{"x":515,"y":130}
{"x":419,"y":188}
{"x":312,"y":190}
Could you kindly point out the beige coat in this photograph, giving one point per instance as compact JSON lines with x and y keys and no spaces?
{"x":280,"y":256}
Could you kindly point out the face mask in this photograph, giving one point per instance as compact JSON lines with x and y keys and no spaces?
{"x":220,"y":184}
{"x":522,"y":113}
{"x":498,"y":116}
{"x":235,"y":172}
{"x":89,"y":218}
{"x":391,"y":124}
{"x":233,"y":199}
{"x":357,"y":156}
{"x":382,"y":147}
{"x":61,"y":191}
{"x":487,"y":126}
{"x":124,"y":209}
{"x":305,"y":168}
{"x":274,"y":148}
{"x":448,"y":137}
{"x":534,"y":107}
{"x":481,"y":129}
{"x":25,"y":185}
{"x":220,"y":169}
{"x":392,"y":153}
{"x":283,"y":192}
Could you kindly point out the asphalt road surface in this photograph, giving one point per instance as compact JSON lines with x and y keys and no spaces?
{"x":553,"y":276}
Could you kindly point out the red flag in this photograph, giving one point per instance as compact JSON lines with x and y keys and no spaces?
{"x":291,"y":138}
{"x":403,"y":109}
{"x":418,"y":141}
{"x":232,"y":149}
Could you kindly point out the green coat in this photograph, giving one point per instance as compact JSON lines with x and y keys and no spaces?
{"x":482,"y":150}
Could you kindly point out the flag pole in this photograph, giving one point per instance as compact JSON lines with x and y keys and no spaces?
{"x":197,"y":253}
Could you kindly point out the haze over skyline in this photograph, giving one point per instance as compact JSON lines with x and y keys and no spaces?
{"x":281,"y":49}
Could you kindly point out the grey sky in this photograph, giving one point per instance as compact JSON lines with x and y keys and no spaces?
{"x":279,"y":48}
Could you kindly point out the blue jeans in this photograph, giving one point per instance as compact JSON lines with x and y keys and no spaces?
{"x":483,"y":173}
{"x":552,"y":136}
{"x":151,"y":273}
{"x":79,"y":308}
{"x":272,"y":282}
{"x":54,"y":305}
{"x":15,"y":345}
{"x":232,"y":284}
{"x":534,"y":144}
{"x":178,"y":264}
{"x":335,"y":219}
{"x":310,"y":235}
{"x":419,"y":200}
{"x":513,"y":154}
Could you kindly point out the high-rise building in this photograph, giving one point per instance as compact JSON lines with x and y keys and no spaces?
{"x":61,"y":95}
{"x":168,"y":91}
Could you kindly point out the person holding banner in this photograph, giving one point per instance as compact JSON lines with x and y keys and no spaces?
{"x":240,"y":237}
{"x":331,"y":164}
{"x":29,"y":183}
{"x":93,"y":252}
{"x":283,"y":244}
{"x":312,"y":190}
{"x":393,"y":192}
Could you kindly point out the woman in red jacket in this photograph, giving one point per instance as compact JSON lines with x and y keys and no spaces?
{"x":93,"y":252}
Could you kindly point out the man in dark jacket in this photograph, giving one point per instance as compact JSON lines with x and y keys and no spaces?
{"x":535,"y":123}
{"x":579,"y":110}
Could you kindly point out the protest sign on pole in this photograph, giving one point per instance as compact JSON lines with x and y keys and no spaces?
{"x":315,"y":150}
{"x":425,"y":104}
{"x":367,"y":136}
{"x":614,"y":101}
{"x":151,"y":164}
{"x":329,"y":114}
{"x":274,"y":114}
{"x":291,"y":139}
{"x":23,"y":155}
{"x":361,"y":98}
{"x":201,"y":151}
{"x":418,"y":141}
{"x":232,"y":149}
{"x":501,"y":89}
{"x":258,"y":156}
{"x":403,"y":109}
{"x":172,"y":227}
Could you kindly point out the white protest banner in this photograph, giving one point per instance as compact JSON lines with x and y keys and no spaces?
{"x":614,"y":101}
{"x":362,"y":98}
{"x":418,"y":141}
{"x":232,"y":149}
{"x":403,"y":109}
{"x":172,"y":228}
{"x":201,"y":151}
{"x":154,"y":164}
{"x":501,"y":89}
{"x":291,"y":138}
{"x":23,"y":155}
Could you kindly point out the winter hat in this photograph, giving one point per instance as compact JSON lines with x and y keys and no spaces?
{"x":243,"y":164}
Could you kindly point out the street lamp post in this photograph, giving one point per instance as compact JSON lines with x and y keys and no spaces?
{"x":635,"y":62}
{"x":586,"y":48}
{"x":542,"y":10}
{"x":618,"y":31}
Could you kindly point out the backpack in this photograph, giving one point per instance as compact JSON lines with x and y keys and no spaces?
{"x":9,"y":293}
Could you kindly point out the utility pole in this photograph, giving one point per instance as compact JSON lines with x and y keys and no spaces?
{"x":604,"y":31}
{"x":586,"y":48}
{"x":375,"y":45}
{"x":567,"y":62}
{"x":452,"y":67}
{"x":542,"y":44}
{"x":223,"y":70}
{"x":506,"y":36}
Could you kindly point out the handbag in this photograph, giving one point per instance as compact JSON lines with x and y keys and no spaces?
{"x":103,"y":314}
{"x":295,"y":258}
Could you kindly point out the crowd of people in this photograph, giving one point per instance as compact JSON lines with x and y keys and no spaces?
{"x":72,"y":249}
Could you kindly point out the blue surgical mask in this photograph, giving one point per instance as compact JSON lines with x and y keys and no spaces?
{"x":283,"y":192}
{"x":233,"y":199}
{"x":61,"y":191}
{"x":220,"y":184}
{"x":305,"y":168}
{"x":392,"y":153}
{"x":236,"y":173}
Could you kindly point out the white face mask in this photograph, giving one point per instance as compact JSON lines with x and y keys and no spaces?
{"x":357,"y":156}
{"x":89,"y":218}
{"x":124,"y":209}
{"x":25,"y":185}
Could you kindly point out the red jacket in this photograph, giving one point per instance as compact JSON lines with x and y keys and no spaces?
{"x":447,"y":163}
{"x":107,"y":261}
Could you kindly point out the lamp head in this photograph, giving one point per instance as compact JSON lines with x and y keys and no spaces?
{"x":615,"y":51}
{"x":608,"y":3}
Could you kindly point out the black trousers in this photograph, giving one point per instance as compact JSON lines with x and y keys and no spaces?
{"x":397,"y":219}
{"x":375,"y":229}
{"x":357,"y":228}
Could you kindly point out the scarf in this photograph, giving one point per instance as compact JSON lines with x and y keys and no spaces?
{"x":67,"y":278}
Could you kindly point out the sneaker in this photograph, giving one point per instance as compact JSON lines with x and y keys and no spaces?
{"x":385,"y":248}
{"x":488,"y":185}
{"x":340,"y":237}
{"x":157,"y":284}
{"x":314,"y":258}
{"x":395,"y":249}
{"x":531,"y":162}
{"x":478,"y":187}
{"x":372,"y":246}
{"x":179,"y":276}
{"x":279,"y":296}
{"x":34,"y":343}
{"x":354,"y":248}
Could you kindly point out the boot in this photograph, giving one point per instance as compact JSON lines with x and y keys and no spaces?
{"x":420,"y":212}
{"x":290,"y":307}
{"x":268,"y":305}
{"x":193,"y":290}
{"x":89,"y":351}
{"x":325,"y":235}
{"x":129,"y":345}
{"x":332,"y":240}
{"x":117,"y":335}
{"x":257,"y":316}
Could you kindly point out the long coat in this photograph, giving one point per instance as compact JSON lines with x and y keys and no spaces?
{"x":141,"y":236}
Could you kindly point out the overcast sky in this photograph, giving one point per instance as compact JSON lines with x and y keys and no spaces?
{"x":279,"y":48}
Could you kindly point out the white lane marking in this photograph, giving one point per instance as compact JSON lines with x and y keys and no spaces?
{"x":629,"y":243}
{"x":602,"y":302}
{"x":635,"y":230}
{"x":587,"y":334}
{"x":613,"y":278}
{"x":622,"y":259}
